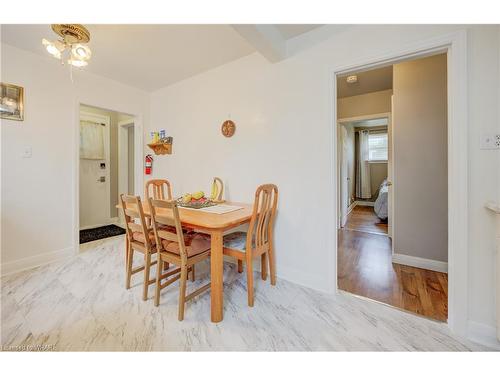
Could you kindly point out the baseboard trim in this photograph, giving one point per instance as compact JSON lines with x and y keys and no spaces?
{"x":483,"y":334}
{"x":343,"y":219}
{"x":307,"y":280}
{"x":365,"y":203}
{"x":112,"y":220}
{"x":27,"y":263}
{"x":427,"y":264}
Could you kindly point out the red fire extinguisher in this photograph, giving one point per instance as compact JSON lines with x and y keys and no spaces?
{"x":148,"y":164}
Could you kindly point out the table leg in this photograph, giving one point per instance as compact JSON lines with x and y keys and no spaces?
{"x":216,"y":276}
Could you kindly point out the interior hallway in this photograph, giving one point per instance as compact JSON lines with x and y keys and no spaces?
{"x":365,"y":268}
{"x":90,"y":309}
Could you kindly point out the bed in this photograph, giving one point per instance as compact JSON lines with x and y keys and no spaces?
{"x":381,"y":204}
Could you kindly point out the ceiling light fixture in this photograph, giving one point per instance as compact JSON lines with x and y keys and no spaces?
{"x":72,"y":46}
{"x":352,"y":79}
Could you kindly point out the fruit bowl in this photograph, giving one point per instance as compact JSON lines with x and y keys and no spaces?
{"x":195,"y":203}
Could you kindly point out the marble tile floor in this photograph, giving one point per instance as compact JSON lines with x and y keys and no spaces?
{"x":81,"y":304}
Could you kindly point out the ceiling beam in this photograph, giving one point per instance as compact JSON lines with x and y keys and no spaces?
{"x":266,"y":39}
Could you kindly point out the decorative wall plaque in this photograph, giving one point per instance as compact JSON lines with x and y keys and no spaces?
{"x":228,"y":128}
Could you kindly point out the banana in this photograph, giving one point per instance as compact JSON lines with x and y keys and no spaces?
{"x":220,"y":188}
{"x":215,"y":189}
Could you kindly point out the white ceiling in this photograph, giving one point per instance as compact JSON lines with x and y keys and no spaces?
{"x":150,"y":56}
{"x":291,"y":31}
{"x":368,"y":81}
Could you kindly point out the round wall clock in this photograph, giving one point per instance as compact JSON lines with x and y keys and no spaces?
{"x":228,"y":128}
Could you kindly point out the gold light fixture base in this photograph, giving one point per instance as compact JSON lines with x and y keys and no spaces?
{"x":72,"y":33}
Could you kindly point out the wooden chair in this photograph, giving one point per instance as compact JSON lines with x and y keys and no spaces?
{"x":140,"y":239}
{"x":258,"y":241}
{"x":176,"y":247}
{"x":156,"y":189}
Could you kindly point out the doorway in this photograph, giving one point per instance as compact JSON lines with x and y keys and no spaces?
{"x":393,"y":237}
{"x":126,"y":158}
{"x":106,"y":170}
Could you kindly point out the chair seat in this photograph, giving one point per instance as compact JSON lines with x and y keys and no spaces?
{"x":236,"y":240}
{"x":196,"y":243}
{"x":139,"y":236}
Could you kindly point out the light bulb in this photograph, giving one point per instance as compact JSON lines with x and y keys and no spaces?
{"x":81,"y":52}
{"x":78,"y":63}
{"x":54,"y":48}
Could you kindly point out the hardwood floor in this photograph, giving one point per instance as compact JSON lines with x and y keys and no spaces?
{"x":365,"y":268}
{"x":363,"y":218}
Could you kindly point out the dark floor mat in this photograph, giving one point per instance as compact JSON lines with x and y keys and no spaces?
{"x":94,"y":234}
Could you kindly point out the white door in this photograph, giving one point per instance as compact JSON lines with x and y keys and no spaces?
{"x":94,"y":177}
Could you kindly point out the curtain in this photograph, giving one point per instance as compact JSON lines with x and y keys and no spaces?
{"x":363,"y":189}
{"x":91,"y":140}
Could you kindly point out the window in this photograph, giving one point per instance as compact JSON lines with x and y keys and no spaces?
{"x":377,"y":146}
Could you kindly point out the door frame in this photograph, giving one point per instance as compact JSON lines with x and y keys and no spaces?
{"x":123,"y":152}
{"x":100,"y":119}
{"x":139,"y":155}
{"x":455,"y":45}
{"x":123,"y":156}
{"x":346,"y":120}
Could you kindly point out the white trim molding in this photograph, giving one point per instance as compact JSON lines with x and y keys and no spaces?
{"x":427,"y":264}
{"x":455,"y":45}
{"x":112,"y":220}
{"x":483,"y":334}
{"x":365,"y":203}
{"x":27,"y":263}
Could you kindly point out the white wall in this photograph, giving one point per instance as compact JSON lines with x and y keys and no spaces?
{"x":39,"y":193}
{"x":283,"y":114}
{"x":483,"y":172}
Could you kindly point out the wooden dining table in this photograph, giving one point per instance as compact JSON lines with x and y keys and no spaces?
{"x":214,"y":225}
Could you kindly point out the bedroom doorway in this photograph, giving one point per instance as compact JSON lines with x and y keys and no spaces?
{"x":365,"y":161}
{"x":392,"y":236}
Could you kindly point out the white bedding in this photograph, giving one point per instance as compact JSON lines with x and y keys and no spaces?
{"x":381,"y":204}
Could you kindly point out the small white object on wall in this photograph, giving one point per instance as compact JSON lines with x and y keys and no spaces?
{"x":490,"y":141}
{"x":27,"y":153}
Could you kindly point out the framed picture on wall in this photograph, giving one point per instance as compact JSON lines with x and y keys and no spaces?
{"x":11,"y":102}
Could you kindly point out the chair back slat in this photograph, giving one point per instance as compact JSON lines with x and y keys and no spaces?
{"x":264,"y":210}
{"x":135,"y":220}
{"x":166,"y":235}
{"x":156,"y":189}
{"x":165,"y":220}
{"x":168,"y":216}
{"x":133,"y":213}
{"x":134,"y":227}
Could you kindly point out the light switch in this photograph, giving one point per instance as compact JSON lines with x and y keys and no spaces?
{"x":27,"y":152}
{"x":490,"y":141}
